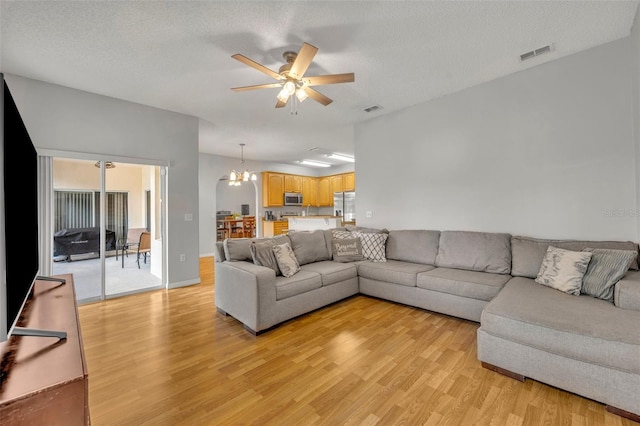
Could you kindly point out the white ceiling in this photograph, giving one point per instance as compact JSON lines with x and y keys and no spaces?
{"x":176,"y":55}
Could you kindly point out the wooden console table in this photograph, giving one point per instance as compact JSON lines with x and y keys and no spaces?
{"x":43,"y":380}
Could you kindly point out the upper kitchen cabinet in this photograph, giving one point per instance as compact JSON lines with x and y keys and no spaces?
{"x":349,"y":181}
{"x":292,"y":183}
{"x":273,"y":189}
{"x":309,"y":191}
{"x":337,"y":183}
{"x":325,"y":194}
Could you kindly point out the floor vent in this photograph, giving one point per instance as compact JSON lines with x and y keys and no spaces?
{"x":534,"y":53}
{"x":372,"y":108}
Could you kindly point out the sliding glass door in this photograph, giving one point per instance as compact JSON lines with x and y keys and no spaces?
{"x":100,"y":212}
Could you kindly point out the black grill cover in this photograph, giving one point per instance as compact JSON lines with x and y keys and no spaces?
{"x":81,"y":240}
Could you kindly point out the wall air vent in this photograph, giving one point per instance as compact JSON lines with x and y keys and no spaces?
{"x":372,"y":108}
{"x":536,"y":52}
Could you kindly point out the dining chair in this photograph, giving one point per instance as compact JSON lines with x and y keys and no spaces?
{"x":248,"y":227}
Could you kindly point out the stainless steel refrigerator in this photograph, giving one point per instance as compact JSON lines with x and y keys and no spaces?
{"x":344,"y":204}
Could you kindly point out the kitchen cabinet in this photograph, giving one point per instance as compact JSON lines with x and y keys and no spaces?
{"x":271,"y":228}
{"x":349,"y":181}
{"x":292,"y":183}
{"x":325,"y":194}
{"x":317,"y":192}
{"x":309,"y":191}
{"x":272,"y":189}
{"x":337,"y":183}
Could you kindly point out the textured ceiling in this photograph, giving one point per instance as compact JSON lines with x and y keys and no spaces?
{"x":176,"y":55}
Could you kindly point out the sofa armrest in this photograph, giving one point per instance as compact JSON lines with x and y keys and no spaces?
{"x":627,"y":291}
{"x":247,"y":292}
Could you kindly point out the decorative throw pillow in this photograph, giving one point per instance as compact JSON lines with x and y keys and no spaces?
{"x":287,"y":261}
{"x":373,"y":245}
{"x":563,"y":269}
{"x":347,"y":250}
{"x":262,"y":254}
{"x":341,"y":235}
{"x":606,"y":268}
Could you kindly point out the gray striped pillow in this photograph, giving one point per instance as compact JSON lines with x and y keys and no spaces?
{"x":606,"y":268}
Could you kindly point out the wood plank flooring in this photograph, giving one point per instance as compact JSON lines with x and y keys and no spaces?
{"x":167,"y":358}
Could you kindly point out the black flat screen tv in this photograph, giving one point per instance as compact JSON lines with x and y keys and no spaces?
{"x":18,"y":214}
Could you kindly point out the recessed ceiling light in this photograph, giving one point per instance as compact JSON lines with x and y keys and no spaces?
{"x":314,"y":163}
{"x":342,"y":157}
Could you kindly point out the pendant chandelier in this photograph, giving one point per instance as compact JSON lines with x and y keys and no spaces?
{"x":236,"y":177}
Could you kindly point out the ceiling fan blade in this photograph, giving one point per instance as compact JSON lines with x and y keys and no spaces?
{"x":259,"y":67}
{"x":257,"y":86}
{"x":329,"y":79}
{"x":317,"y":96}
{"x":303,"y":60}
{"x":280,"y":104}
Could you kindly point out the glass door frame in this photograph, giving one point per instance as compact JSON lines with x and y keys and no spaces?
{"x":162,"y":225}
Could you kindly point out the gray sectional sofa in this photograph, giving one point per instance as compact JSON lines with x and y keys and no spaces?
{"x":583,"y":344}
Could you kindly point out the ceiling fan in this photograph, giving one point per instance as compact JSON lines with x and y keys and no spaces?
{"x":291,"y":79}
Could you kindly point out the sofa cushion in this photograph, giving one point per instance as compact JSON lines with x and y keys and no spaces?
{"x":563,"y":269}
{"x":262,"y":254}
{"x":538,"y":316}
{"x":415,"y":246}
{"x":527,"y":253}
{"x":605,"y":269}
{"x":301,"y":282}
{"x":239,"y":249}
{"x":459,"y":282}
{"x":347,"y":250}
{"x":475,"y":251}
{"x":332,"y":272}
{"x":373,"y":245}
{"x":286,"y":259}
{"x":309,"y":246}
{"x":393,"y":271}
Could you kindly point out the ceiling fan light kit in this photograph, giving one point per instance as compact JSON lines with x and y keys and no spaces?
{"x":236,"y":177}
{"x":291,"y":77}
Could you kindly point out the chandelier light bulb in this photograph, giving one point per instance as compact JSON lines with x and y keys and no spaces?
{"x":233,"y":175}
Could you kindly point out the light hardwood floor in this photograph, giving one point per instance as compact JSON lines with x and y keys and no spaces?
{"x":167,"y":358}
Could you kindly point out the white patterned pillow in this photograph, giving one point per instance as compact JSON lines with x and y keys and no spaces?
{"x":373,"y":245}
{"x":564,"y":269}
{"x":286,"y":259}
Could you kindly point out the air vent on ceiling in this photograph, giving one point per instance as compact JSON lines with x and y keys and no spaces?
{"x":372,"y":108}
{"x":315,"y":148}
{"x":536,"y":52}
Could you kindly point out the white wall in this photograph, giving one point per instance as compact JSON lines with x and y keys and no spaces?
{"x":64,"y":119}
{"x":231,"y":198}
{"x":546,"y":152}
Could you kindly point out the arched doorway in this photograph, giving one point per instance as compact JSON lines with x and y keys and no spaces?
{"x":238,"y":200}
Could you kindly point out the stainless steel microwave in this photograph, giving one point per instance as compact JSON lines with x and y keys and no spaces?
{"x":292,"y":199}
